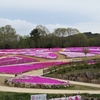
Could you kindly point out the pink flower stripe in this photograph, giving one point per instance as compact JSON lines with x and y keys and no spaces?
{"x":77,"y":97}
{"x":30,"y":49}
{"x":15,"y":60}
{"x":37,"y":52}
{"x":80,"y":49}
{"x":76,"y":54}
{"x":2,"y":54}
{"x":20,"y":68}
{"x":49,"y":55}
{"x":37,"y":80}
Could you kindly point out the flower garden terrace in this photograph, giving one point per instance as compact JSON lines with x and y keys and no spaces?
{"x":15,"y":59}
{"x":25,"y":66}
{"x":26,"y":81}
{"x":14,"y":62}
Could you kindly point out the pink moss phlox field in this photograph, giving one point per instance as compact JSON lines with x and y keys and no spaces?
{"x":20,"y":68}
{"x":37,"y":80}
{"x":26,"y":81}
{"x":76,"y":97}
{"x":48,"y":55}
{"x":37,"y":52}
{"x":76,"y":54}
{"x":15,"y":59}
{"x":80,"y":49}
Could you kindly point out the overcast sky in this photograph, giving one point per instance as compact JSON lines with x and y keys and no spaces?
{"x":25,"y":15}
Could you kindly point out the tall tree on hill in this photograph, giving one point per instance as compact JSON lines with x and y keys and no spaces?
{"x":39,"y":34}
{"x":72,"y":31}
{"x":35,"y":35}
{"x":61,"y":32}
{"x":43,"y":34}
{"x":64,"y":32}
{"x":25,"y":42}
{"x":8,"y":37}
{"x":43,"y":30}
{"x":79,"y":40}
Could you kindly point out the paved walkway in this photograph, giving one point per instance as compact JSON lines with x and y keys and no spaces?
{"x":52,"y":91}
{"x":80,"y":83}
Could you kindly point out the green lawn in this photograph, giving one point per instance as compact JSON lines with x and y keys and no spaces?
{"x":70,"y":69}
{"x":27,"y":96}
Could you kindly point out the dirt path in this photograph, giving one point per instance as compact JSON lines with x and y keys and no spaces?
{"x":60,"y":56}
{"x":38,"y":72}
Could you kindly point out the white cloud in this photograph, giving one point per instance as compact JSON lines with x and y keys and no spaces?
{"x":93,"y":27}
{"x":24,"y":28}
{"x":21,"y":26}
{"x":82,"y":27}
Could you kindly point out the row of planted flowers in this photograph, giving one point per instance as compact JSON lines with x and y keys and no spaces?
{"x":37,"y":52}
{"x":80,"y":49}
{"x":76,"y":54}
{"x":48,"y":55}
{"x":35,"y":82}
{"x":15,"y":59}
{"x":31,"y":49}
{"x":76,"y":97}
{"x":21,"y":68}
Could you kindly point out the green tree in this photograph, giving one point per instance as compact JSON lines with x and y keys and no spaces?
{"x":61,"y":32}
{"x":72,"y":31}
{"x":35,"y":35}
{"x":53,"y":41}
{"x":79,"y":40}
{"x":39,"y":35}
{"x":8,"y":37}
{"x":25,"y":42}
{"x":43,"y":30}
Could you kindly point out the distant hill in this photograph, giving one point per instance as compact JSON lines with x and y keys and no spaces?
{"x":91,"y":35}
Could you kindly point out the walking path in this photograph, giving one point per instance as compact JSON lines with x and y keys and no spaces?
{"x":52,"y":91}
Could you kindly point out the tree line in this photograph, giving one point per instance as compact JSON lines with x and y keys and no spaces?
{"x":40,"y":37}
